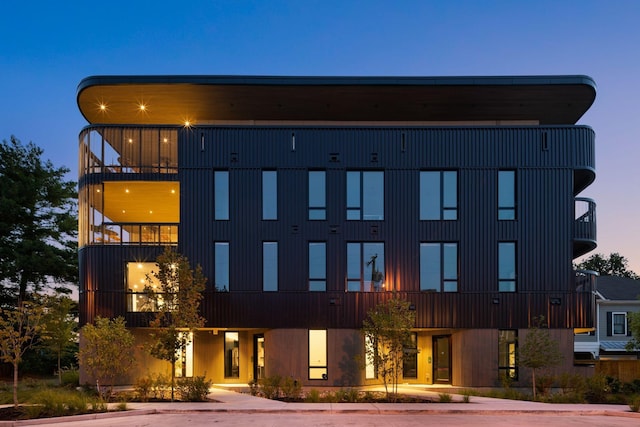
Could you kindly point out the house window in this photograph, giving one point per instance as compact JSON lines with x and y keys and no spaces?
{"x":365,"y":195}
{"x":365,"y":267}
{"x":507,"y":353}
{"x":221,"y":195}
{"x":410,"y":358}
{"x":231,"y":355}
{"x":506,"y":195}
{"x":439,"y":267}
{"x":269,"y":195}
{"x":438,"y":195}
{"x":371,"y":353}
{"x":317,"y":354}
{"x":184,"y":356}
{"x":139,"y":280}
{"x":221,"y":255}
{"x":269,"y":266}
{"x":507,"y":269}
{"x":317,"y":266}
{"x":618,"y":322}
{"x":317,"y":195}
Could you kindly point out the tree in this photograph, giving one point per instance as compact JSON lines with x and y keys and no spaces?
{"x":177,"y":298}
{"x":634,"y":328}
{"x":19,"y":329}
{"x":539,"y":350}
{"x":38,"y":221}
{"x":59,"y":326}
{"x":388,"y":330}
{"x":107,"y":350}
{"x":614,"y":265}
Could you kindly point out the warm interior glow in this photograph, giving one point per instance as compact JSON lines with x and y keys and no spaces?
{"x":140,"y":199}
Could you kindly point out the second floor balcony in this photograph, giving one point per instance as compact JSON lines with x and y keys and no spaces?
{"x":584,"y":227}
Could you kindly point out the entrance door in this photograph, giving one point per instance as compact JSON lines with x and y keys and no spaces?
{"x":258,"y":357}
{"x":442,"y":359}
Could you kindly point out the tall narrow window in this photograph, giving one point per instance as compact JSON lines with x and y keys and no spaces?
{"x":371,"y":352}
{"x":439,"y":267}
{"x":365,"y":195}
{"x":619,"y":322}
{"x":438,"y":195}
{"x":317,"y":195}
{"x":317,"y":266}
{"x":221,"y":255}
{"x":184,"y":356}
{"x":231,"y":355}
{"x":317,"y":354}
{"x":365,"y":267}
{"x":269,"y":195}
{"x":507,"y":353}
{"x":506,"y":195}
{"x":507,"y":273}
{"x":410,"y":358}
{"x":270,"y":266}
{"x":221,"y":195}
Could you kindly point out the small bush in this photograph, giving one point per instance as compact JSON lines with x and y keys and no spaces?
{"x":544,"y":384}
{"x":445,"y":398}
{"x":313,"y":396}
{"x":596,"y":389}
{"x":270,"y":386}
{"x":291,"y":388}
{"x":466,"y":397}
{"x":254,"y":388}
{"x":572,"y":383}
{"x":142,"y":387}
{"x":160,"y":386}
{"x":70,"y":377}
{"x":347,"y":395}
{"x":634,"y":403}
{"x":193,"y":389}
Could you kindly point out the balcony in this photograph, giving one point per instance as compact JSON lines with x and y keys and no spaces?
{"x":584,"y":227}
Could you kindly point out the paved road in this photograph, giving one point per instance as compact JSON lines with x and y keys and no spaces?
{"x":329,"y":420}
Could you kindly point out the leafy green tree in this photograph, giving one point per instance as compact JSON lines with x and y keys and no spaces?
{"x":107,"y":350}
{"x":614,"y":265}
{"x":634,"y":327}
{"x":19,"y":329}
{"x":539,"y":350}
{"x":59,"y":327}
{"x":388,"y":329}
{"x":177,"y":300}
{"x":38,"y":222}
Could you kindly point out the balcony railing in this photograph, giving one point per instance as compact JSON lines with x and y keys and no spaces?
{"x":134,"y":234}
{"x":584,"y":226}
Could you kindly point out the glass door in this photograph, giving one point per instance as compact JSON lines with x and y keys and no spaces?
{"x":442,"y":359}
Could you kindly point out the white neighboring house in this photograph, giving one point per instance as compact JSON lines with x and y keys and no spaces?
{"x":616,"y":297}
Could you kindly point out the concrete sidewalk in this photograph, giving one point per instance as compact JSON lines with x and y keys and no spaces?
{"x":228,"y":401}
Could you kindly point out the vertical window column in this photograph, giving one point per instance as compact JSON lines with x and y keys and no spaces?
{"x":317,"y":195}
{"x":507,"y":268}
{"x":317,"y":266}
{"x":221,"y":195}
{"x":221,"y":255}
{"x":317,"y":354}
{"x":506,"y":195}
{"x":269,"y":195}
{"x":270,"y":266}
{"x":507,"y":353}
{"x":232,"y":355}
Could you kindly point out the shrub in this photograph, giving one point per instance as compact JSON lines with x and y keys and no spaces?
{"x":544,"y":384}
{"x":254,"y":388}
{"x":271,"y":386}
{"x":313,"y":396}
{"x":445,"y":398}
{"x":596,"y":389}
{"x":634,"y":403}
{"x":142,"y":387}
{"x":160,"y":386}
{"x":193,"y":389}
{"x":572,"y":383}
{"x":291,"y":388}
{"x":466,"y":397}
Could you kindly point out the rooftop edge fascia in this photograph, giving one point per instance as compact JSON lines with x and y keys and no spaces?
{"x":338,"y":80}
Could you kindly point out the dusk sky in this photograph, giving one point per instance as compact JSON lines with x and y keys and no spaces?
{"x":47,"y":47}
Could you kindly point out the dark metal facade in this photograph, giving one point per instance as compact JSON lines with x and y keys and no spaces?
{"x":553,"y":164}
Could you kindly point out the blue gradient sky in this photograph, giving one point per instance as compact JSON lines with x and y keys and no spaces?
{"x":47,"y":47}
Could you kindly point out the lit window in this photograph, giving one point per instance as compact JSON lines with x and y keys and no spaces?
{"x":318,"y":354}
{"x":140,"y":280}
{"x":507,"y":354}
{"x":231,"y":355}
{"x":221,"y":255}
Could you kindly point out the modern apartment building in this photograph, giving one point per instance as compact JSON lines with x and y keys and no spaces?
{"x":309,"y":200}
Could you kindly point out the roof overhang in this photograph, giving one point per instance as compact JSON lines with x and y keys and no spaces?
{"x":174,"y":100}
